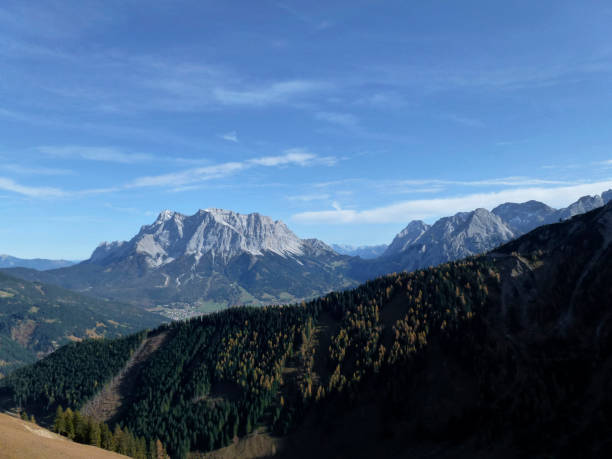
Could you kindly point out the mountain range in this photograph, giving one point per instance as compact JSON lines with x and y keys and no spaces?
{"x":420,"y":245}
{"x":208,"y":260}
{"x":507,"y":354}
{"x":364,"y":251}
{"x":215,"y":258}
{"x":40,"y":264}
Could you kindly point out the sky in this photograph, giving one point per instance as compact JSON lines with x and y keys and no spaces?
{"x":344,"y":119}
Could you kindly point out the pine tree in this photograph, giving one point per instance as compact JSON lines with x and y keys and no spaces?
{"x":152,"y":450}
{"x":118,"y":440}
{"x":69,"y":422}
{"x":59,"y":425}
{"x":106,"y":437}
{"x":95,"y":434}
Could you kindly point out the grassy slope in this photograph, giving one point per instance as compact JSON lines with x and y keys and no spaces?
{"x":24,"y":440}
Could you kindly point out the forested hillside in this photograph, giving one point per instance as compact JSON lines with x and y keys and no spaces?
{"x":505,"y":354}
{"x":35,"y":319}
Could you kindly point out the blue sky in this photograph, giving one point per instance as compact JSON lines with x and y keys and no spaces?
{"x":344,"y":119}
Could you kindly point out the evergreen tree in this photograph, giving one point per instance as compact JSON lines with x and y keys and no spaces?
{"x":95,"y":433}
{"x":59,"y":425}
{"x":69,"y":422}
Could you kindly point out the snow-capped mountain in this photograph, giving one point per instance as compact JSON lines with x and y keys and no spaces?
{"x":218,"y":257}
{"x":222,"y":234}
{"x":215,"y":257}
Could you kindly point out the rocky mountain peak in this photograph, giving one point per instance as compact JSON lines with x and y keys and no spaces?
{"x":221,"y":233}
{"x":409,"y":235}
{"x":583,"y":205}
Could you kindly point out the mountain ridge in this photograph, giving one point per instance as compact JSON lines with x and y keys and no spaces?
{"x":506,"y":354}
{"x":211,"y":259}
{"x":40,"y":264}
{"x":190,"y":264}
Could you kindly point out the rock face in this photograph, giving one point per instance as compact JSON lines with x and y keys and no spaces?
{"x":222,"y":234}
{"x":407,"y":236}
{"x":211,"y":259}
{"x":583,"y":205}
{"x":450,"y":238}
{"x":522,"y":218}
{"x":468,"y":233}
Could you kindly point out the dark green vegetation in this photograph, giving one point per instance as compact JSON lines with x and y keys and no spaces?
{"x":73,"y":373}
{"x":36,"y":319}
{"x":508,"y":354}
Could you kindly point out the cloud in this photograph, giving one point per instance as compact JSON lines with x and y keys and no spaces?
{"x":342,"y":119}
{"x":426,"y":209}
{"x":294,"y":156}
{"x":106,"y":154}
{"x":503,"y":181}
{"x":231,"y":136}
{"x":274,"y":93}
{"x":32,"y":192}
{"x":188,"y":176}
{"x":463,"y":120}
{"x":309,"y":197}
{"x":24,"y":170}
{"x":291,"y":156}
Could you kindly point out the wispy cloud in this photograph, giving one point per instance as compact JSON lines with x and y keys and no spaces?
{"x":26,"y":170}
{"x":274,"y":93}
{"x":309,"y":197}
{"x":346,"y":120}
{"x":295,"y":157}
{"x":127,"y":210}
{"x":317,"y":25}
{"x":106,"y":154}
{"x":463,"y":120}
{"x":435,"y":185}
{"x":30,"y":191}
{"x":231,"y":136}
{"x":426,"y":209}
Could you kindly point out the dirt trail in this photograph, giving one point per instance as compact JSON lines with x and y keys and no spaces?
{"x":107,"y":403}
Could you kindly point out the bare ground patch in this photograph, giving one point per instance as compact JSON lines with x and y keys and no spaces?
{"x":108,"y":402}
{"x":23,"y":332}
